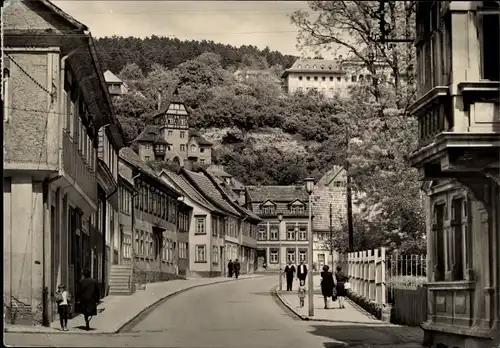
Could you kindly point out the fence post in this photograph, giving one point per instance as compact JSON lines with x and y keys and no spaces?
{"x":383,"y":284}
{"x":371,"y":274}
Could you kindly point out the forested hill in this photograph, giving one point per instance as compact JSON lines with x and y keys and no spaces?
{"x":116,"y":51}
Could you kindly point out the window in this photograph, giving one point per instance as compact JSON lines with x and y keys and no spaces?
{"x":262,"y":233}
{"x":273,"y":256}
{"x":331,"y":78}
{"x":215,"y":254}
{"x":202,"y":150}
{"x":339,"y":78}
{"x":200,"y":225}
{"x":438,"y":229}
{"x":182,"y":134}
{"x":491,"y":30}
{"x":201,"y":253}
{"x":302,"y":255}
{"x":202,"y":161}
{"x":183,"y":121}
{"x":274,"y":232}
{"x":183,"y":147}
{"x":290,"y":232}
{"x":300,"y":78}
{"x":323,"y":78}
{"x":193,"y":148}
{"x":300,"y":89}
{"x":6,"y":91}
{"x":308,"y":78}
{"x":170,"y":133}
{"x":290,"y":255}
{"x":297,"y":208}
{"x":302,"y":232}
{"x":353,"y":78}
{"x":146,"y":158}
{"x":268,"y":210}
{"x":315,"y":78}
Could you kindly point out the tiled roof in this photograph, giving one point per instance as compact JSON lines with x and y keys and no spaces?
{"x":314,"y":66}
{"x":218,"y":171}
{"x":337,"y":173}
{"x":128,"y":155}
{"x":287,"y":193}
{"x":233,"y":197}
{"x":208,"y":189}
{"x":201,"y":140}
{"x":189,"y":190}
{"x":151,"y":134}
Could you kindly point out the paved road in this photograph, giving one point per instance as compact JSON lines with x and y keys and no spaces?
{"x":240,"y":314}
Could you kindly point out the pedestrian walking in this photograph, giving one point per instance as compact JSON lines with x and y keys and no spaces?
{"x":340,"y":287}
{"x":230,"y":266}
{"x":63,"y":300}
{"x":265,"y":266}
{"x":237,"y":268}
{"x":302,"y":271}
{"x":289,"y":273}
{"x":89,"y":297}
{"x":302,"y":292}
{"x":327,"y":285}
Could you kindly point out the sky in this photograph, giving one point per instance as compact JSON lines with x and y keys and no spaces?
{"x":258,"y":23}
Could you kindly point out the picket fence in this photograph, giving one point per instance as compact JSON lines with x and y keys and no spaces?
{"x":389,"y":278}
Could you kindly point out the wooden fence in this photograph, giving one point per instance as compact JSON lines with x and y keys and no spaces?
{"x":367,"y":273}
{"x":394,"y":278}
{"x":409,"y":306}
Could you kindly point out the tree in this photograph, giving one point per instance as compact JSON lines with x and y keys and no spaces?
{"x":378,"y":135}
{"x":131,"y":72}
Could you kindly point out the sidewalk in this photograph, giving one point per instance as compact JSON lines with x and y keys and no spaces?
{"x":351,"y":317}
{"x":114,"y":312}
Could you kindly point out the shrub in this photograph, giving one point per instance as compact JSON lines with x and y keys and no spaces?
{"x":405,"y":282}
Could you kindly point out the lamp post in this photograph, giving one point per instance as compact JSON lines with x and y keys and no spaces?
{"x":280,"y":217}
{"x":309,"y":188}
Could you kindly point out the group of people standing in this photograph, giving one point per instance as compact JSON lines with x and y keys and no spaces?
{"x":233,"y":268}
{"x":332,"y":285}
{"x":87,"y":297}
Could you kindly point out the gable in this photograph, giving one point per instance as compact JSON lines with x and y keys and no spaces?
{"x":39,"y":15}
{"x":297,"y":203}
{"x":268,"y":203}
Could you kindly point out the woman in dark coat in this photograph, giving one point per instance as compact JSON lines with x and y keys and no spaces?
{"x":89,"y":297}
{"x":341,"y":280}
{"x":327,"y":284}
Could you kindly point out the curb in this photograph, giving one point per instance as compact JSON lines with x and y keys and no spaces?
{"x":158,"y":302}
{"x":288,"y":305}
{"x":48,"y":330}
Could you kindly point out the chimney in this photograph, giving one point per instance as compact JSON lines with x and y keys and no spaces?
{"x":159,"y":101}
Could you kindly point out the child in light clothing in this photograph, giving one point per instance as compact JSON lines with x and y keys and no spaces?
{"x":63,"y":299}
{"x":302,"y":292}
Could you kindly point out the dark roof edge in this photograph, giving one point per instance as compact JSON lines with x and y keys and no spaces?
{"x":226,"y":196}
{"x":157,"y":179}
{"x":184,"y":192}
{"x":195,"y":185}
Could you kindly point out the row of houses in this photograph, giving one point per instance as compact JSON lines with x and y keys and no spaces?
{"x":75,"y":197}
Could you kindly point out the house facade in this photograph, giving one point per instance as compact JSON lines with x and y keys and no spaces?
{"x":280,"y":242}
{"x":458,"y":157}
{"x":55,"y":103}
{"x":116,"y":87}
{"x":169,"y":139}
{"x":329,"y":204}
{"x":153,"y":232}
{"x":206,"y":229}
{"x":247,"y":227}
{"x":328,"y":77}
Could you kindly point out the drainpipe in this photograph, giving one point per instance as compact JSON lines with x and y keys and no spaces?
{"x":133,"y":224}
{"x":62,"y":112}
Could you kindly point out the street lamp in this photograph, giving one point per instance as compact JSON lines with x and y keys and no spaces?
{"x":309,"y":188}
{"x":280,"y":217}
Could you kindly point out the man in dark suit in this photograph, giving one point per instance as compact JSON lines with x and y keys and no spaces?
{"x":289,"y":273}
{"x":302,"y":271}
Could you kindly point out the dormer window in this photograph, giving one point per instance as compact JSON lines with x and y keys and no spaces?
{"x":307,"y":66}
{"x":297,"y":207}
{"x":268,"y":210}
{"x":322,"y":67}
{"x":299,"y":66}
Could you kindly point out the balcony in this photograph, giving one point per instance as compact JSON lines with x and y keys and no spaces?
{"x":78,"y":174}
